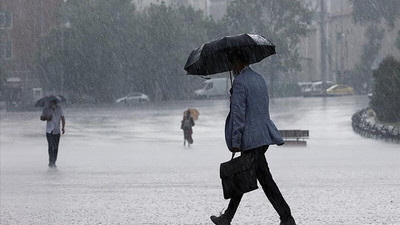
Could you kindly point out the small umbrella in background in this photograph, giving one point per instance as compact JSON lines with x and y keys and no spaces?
{"x":194,"y":113}
{"x":47,"y":99}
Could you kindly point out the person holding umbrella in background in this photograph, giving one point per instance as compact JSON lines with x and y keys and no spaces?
{"x":189,"y":116}
{"x":53,"y":115}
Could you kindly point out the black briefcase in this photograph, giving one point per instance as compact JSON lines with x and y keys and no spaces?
{"x":238,"y":176}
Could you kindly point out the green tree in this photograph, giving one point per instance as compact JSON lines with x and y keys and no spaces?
{"x":281,"y":21}
{"x":385,"y":100}
{"x":50,"y":60}
{"x":111,"y":49}
{"x":170,"y":34}
{"x":83,"y":59}
{"x":361,"y":76}
{"x":373,"y":11}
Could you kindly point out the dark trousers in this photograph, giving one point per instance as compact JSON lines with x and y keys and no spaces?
{"x":187,"y":135}
{"x":268,"y":184}
{"x":53,"y":140}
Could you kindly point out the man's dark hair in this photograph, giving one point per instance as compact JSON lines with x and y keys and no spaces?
{"x":238,"y":56}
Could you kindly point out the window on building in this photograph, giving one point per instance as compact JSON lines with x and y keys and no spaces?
{"x":5,"y":20}
{"x":37,"y":93}
{"x":2,"y":19}
{"x":9,"y":20}
{"x":6,"y":50}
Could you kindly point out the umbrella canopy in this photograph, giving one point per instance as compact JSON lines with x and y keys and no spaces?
{"x":194,"y":113}
{"x":212,"y":57}
{"x":47,"y":99}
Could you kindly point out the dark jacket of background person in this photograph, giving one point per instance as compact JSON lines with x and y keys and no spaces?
{"x":186,"y":125}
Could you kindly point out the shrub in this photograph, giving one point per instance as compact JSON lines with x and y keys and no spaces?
{"x":386,"y":92}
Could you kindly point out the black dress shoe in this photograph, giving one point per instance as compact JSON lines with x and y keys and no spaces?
{"x":288,"y":222}
{"x":220,"y":220}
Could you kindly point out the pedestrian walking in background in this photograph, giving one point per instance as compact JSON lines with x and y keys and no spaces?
{"x":53,"y":115}
{"x":186,"y":125}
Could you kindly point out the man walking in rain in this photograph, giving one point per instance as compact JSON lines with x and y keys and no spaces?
{"x":249,"y":130}
{"x":53,"y":114}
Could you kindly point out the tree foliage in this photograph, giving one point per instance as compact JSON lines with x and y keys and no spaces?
{"x":361,"y":75}
{"x":282,"y":21}
{"x":385,"y":100}
{"x":111,"y":49}
{"x":88,"y":57}
{"x":169,"y":35}
{"x":373,"y":11}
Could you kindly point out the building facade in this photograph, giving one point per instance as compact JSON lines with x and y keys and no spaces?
{"x":22,"y":24}
{"x":344,"y":42}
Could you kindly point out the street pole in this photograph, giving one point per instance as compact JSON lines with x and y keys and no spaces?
{"x":323,"y":47}
{"x":341,"y":45}
{"x":206,"y":7}
{"x":63,"y":60}
{"x":64,"y":48}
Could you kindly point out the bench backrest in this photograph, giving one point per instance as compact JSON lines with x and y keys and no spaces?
{"x":295,"y":133}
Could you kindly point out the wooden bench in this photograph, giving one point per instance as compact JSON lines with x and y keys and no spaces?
{"x":295,"y":137}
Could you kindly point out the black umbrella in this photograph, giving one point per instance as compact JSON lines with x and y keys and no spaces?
{"x":47,"y":99}
{"x":212,"y":57}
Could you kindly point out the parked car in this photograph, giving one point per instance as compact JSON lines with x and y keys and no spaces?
{"x":216,"y":87}
{"x":304,"y":86}
{"x":316,"y":89}
{"x":134,"y":97}
{"x":340,"y":89}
